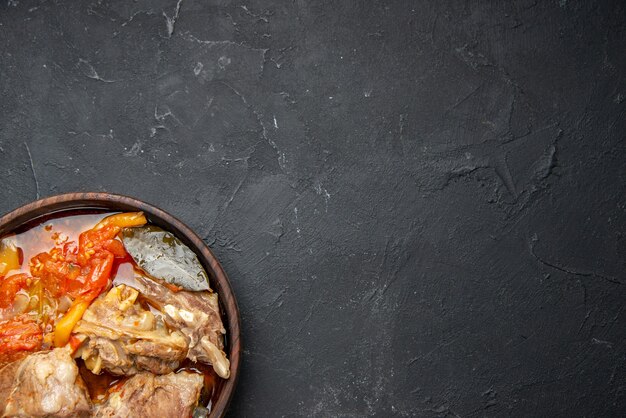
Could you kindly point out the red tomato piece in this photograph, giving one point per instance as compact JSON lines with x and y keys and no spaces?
{"x":9,"y":286}
{"x":20,"y":333}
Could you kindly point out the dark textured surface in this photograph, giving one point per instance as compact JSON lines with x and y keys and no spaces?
{"x":420,"y":206}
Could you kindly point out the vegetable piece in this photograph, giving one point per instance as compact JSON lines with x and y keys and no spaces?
{"x":9,"y":286}
{"x":55,"y":271}
{"x":99,"y":275}
{"x":75,"y":342}
{"x":160,"y":254}
{"x":64,"y":327}
{"x":97,"y":281}
{"x":122,"y":220}
{"x":20,"y":334}
{"x":9,"y":257}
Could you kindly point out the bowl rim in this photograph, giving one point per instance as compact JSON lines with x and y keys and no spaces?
{"x":103,"y":200}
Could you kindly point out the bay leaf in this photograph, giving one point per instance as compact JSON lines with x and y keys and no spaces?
{"x":163,"y":256}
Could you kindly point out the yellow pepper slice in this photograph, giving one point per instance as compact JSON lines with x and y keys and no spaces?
{"x":9,"y":257}
{"x":64,"y":327}
{"x":123,"y":220}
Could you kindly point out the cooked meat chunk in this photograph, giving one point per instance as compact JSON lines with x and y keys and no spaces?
{"x":146,"y":395}
{"x":195,"y":314}
{"x":124,"y":338}
{"x":48,"y":384}
{"x":7,"y":381}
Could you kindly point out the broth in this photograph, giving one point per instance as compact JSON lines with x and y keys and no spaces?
{"x":40,"y":235}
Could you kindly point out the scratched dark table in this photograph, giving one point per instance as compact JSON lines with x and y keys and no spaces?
{"x":420,"y":205}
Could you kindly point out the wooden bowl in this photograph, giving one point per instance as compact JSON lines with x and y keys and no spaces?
{"x":112,"y":202}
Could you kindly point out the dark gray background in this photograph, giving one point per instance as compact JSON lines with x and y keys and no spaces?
{"x":420,"y":205}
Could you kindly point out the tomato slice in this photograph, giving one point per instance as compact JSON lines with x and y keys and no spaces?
{"x":20,"y":333}
{"x":9,"y":286}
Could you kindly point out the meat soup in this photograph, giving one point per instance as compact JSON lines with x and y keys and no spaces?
{"x":128,"y":303}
